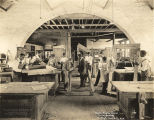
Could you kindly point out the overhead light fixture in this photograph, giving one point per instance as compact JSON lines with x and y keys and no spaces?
{"x":82,"y":26}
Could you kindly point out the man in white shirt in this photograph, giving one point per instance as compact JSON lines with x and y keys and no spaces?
{"x":89,"y":59}
{"x":64,"y":58}
{"x":35,"y":58}
{"x":144,"y":66}
{"x":52,"y":60}
{"x":64,"y":61}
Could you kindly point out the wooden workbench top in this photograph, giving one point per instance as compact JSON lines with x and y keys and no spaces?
{"x":134,"y":86}
{"x":45,"y":71}
{"x":25,"y":87}
{"x":123,"y":71}
{"x":5,"y":73}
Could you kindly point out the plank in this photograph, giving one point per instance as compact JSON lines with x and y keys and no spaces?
{"x":25,"y":87}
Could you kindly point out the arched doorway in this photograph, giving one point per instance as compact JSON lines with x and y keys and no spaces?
{"x":71,"y":29}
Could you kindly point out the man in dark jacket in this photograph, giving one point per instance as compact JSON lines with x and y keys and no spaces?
{"x":82,"y":70}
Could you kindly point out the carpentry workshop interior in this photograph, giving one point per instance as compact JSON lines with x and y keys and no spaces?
{"x":76,"y":60}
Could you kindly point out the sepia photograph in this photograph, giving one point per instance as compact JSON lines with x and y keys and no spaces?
{"x":76,"y":60}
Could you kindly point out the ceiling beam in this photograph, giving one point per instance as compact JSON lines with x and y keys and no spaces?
{"x":92,"y":23}
{"x":79,"y":24}
{"x":101,"y":25}
{"x":107,"y":27}
{"x":98,"y":23}
{"x":45,"y":26}
{"x":87,"y":36}
{"x":51,"y":27}
{"x":60,"y":23}
{"x":48,"y":23}
{"x":54,"y":24}
{"x":85,"y":21}
{"x":66,"y":23}
{"x":102,"y":37}
{"x":72,"y":21}
{"x":116,"y":30}
{"x":41,"y":27}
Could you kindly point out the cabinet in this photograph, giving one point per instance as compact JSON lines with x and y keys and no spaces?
{"x":24,"y":100}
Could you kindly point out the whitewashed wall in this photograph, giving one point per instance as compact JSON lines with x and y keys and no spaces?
{"x":18,"y":23}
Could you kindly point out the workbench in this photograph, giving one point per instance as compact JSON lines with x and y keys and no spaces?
{"x":24,"y":99}
{"x":128,"y":97}
{"x":42,"y":75}
{"x":124,"y":75}
{"x":7,"y":74}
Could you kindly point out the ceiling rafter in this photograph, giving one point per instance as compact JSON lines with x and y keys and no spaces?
{"x":45,"y":26}
{"x":55,"y":24}
{"x":67,"y":23}
{"x":92,"y":21}
{"x":81,"y":30}
{"x":105,"y":22}
{"x":86,"y":21}
{"x":48,"y":23}
{"x":112,"y":25}
{"x":79,"y":23}
{"x":51,"y":27}
{"x":72,"y":21}
{"x":93,"y":25}
{"x":98,"y":23}
{"x":60,"y":23}
{"x":90,"y":25}
{"x":41,"y":27}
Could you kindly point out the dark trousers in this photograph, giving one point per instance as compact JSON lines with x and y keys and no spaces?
{"x":83,"y":78}
{"x":144,"y":75}
{"x":63,"y":76}
{"x":97,"y":78}
{"x":104,"y":89}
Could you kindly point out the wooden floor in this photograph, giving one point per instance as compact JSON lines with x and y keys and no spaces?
{"x":79,"y":105}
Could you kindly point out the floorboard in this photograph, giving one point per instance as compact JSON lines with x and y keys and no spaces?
{"x":79,"y":105}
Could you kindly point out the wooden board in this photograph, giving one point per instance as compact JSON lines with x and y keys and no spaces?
{"x":82,"y":48}
{"x":134,"y":86}
{"x":123,"y":71}
{"x":25,"y":87}
{"x":126,"y":46}
{"x":39,"y":71}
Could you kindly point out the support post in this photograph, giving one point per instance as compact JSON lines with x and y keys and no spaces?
{"x":113,"y":38}
{"x":68,"y":45}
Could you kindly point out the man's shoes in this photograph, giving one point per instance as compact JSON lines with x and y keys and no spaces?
{"x":91,"y":93}
{"x":104,"y":92}
{"x":83,"y":85}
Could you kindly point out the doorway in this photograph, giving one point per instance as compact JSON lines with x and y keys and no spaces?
{"x":74,"y":42}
